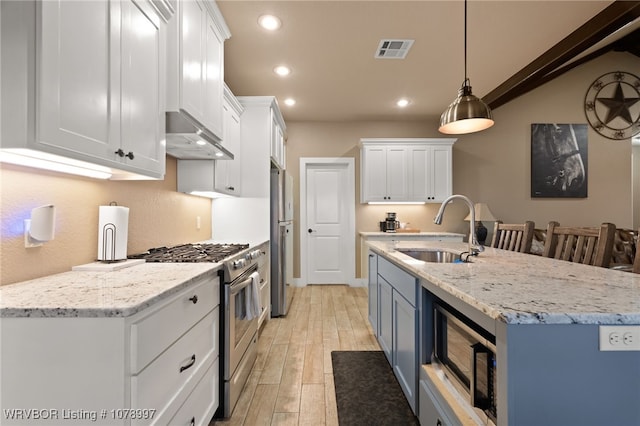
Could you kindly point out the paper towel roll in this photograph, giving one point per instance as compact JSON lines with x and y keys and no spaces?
{"x":113,"y":229}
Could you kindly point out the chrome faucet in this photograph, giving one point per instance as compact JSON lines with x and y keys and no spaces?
{"x":474,"y":247}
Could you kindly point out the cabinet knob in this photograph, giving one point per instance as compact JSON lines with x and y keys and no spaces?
{"x":192,"y":422}
{"x":194,"y":299}
{"x":120,"y":152}
{"x":230,"y":188}
{"x":129,"y":155}
{"x":310,"y":230}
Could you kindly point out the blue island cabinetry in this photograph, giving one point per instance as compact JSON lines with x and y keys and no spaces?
{"x":394,"y":298}
{"x":545,"y":317}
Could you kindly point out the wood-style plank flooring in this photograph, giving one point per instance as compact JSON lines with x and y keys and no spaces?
{"x":291,"y":382}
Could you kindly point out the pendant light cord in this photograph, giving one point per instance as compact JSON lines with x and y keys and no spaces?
{"x":466,"y":80}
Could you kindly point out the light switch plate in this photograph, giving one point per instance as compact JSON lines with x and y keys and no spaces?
{"x":620,"y":337}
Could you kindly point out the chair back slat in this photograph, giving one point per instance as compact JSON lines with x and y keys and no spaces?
{"x":587,"y":245}
{"x":513,"y":237}
{"x":636,"y":261}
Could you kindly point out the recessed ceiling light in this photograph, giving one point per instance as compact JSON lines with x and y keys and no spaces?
{"x":282,"y":70}
{"x":200,"y":142}
{"x":402,"y":103}
{"x":269,"y":22}
{"x":290,"y":102}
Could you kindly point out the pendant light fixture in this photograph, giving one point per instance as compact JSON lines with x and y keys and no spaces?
{"x":467,"y":113}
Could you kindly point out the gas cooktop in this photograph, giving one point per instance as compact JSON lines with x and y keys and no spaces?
{"x":196,"y":252}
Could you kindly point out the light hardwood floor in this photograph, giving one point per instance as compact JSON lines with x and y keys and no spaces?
{"x":291,"y":382}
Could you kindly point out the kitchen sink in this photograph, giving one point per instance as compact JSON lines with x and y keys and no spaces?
{"x":434,"y":256}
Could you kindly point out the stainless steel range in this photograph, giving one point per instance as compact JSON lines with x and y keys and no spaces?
{"x":239,"y":314}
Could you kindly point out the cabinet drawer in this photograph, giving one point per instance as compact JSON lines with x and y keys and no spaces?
{"x":402,"y":281}
{"x":202,"y":402}
{"x":159,"y":382}
{"x":154,"y":333}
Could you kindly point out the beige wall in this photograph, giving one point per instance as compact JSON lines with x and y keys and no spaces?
{"x":492,"y":166}
{"x":158,"y":216}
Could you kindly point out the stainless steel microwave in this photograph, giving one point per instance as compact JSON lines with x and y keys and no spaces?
{"x":467,"y":354}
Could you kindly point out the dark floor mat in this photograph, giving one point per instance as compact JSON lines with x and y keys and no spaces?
{"x":367,"y":392}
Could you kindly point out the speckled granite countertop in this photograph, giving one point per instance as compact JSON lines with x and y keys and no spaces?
{"x":526,"y":289}
{"x":406,"y":235}
{"x":120,"y":293}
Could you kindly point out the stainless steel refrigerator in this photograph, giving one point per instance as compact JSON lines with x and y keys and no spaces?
{"x":281,"y":241}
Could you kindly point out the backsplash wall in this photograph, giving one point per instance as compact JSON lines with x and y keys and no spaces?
{"x":158,"y":215}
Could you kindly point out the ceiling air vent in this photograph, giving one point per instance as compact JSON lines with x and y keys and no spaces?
{"x":393,"y":49}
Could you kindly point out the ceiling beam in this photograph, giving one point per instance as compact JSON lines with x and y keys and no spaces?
{"x":612,"y":18}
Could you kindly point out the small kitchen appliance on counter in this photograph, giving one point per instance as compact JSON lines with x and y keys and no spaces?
{"x":390,"y":223}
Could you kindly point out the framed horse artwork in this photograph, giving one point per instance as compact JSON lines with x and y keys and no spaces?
{"x":559,"y":160}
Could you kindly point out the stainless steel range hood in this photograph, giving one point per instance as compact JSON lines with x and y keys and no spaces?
{"x":188,"y":139}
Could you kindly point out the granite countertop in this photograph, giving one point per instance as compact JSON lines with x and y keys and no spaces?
{"x":409,"y":234}
{"x":521,"y":288}
{"x":120,"y":293}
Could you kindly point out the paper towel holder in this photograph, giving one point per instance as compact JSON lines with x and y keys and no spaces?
{"x":40,"y":228}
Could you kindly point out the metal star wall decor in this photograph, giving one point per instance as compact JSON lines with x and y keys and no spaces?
{"x":612,"y":105}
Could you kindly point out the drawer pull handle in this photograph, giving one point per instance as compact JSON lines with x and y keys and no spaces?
{"x":194,"y":299}
{"x":193,"y":421}
{"x":186,"y":367}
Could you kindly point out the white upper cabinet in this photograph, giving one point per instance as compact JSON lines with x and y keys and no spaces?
{"x":96,"y":86}
{"x":384,"y":173}
{"x":277,"y":139}
{"x":195,"y":64}
{"x":262,"y":126}
{"x":211,"y":178}
{"x":406,"y":170}
{"x":228,"y":172}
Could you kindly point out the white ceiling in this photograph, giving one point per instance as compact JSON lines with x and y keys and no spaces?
{"x":330,"y":47}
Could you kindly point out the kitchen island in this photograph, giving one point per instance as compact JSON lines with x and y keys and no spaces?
{"x":133,"y":346}
{"x":546,"y":318}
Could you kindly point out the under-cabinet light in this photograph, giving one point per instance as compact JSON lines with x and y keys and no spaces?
{"x":397,"y":202}
{"x":42,"y":160}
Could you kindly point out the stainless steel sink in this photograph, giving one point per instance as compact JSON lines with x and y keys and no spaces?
{"x":434,"y":256}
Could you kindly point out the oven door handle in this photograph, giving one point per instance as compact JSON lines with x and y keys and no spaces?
{"x":235,"y":288}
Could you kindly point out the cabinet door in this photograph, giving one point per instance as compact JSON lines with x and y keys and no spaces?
{"x":374,"y":174}
{"x":277,"y":142}
{"x":193,"y":33}
{"x":79,"y":104}
{"x":213,"y":88}
{"x":142,"y":88}
{"x":227,"y":172}
{"x":420,"y":173}
{"x":396,"y":167}
{"x":441,"y":166}
{"x":405,"y":361}
{"x":385,"y":317}
{"x":373,"y":292}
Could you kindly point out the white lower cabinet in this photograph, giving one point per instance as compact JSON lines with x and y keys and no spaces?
{"x":159,"y":366}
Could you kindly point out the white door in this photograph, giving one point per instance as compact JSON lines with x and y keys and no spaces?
{"x":328,"y":198}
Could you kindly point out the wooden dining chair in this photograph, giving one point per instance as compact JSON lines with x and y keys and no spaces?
{"x":587,"y":245}
{"x":513,"y":236}
{"x":636,"y":261}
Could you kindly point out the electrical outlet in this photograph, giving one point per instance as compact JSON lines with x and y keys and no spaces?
{"x":620,"y":337}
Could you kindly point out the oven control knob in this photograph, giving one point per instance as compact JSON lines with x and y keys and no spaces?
{"x":240,"y":263}
{"x":255,"y":254}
